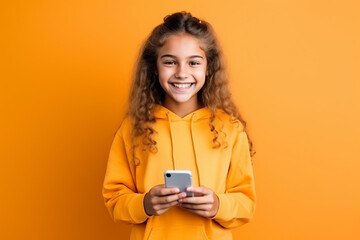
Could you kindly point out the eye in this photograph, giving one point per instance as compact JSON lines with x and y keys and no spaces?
{"x":194,"y":63}
{"x":169,"y":62}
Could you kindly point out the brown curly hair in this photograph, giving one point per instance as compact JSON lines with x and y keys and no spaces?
{"x":146,"y":91}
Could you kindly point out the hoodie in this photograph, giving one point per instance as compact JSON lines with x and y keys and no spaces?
{"x":182,"y":144}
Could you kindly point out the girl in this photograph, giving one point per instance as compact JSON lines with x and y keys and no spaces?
{"x":181,"y":116}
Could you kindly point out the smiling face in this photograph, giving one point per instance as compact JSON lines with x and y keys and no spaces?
{"x":181,"y":65}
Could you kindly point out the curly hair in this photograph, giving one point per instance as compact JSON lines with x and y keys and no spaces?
{"x":146,"y":91}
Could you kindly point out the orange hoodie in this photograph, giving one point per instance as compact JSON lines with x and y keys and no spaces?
{"x":183,"y":144}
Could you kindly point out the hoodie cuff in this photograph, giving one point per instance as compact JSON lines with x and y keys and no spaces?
{"x":224,"y":208}
{"x":137,"y":207}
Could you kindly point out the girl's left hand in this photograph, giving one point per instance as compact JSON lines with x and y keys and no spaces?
{"x":204,"y":203}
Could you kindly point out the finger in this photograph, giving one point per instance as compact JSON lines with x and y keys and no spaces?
{"x":198,"y":200}
{"x":160,"y":207}
{"x":162,"y":211}
{"x":161,"y":190}
{"x":200,"y":190}
{"x":204,"y":207}
{"x":169,"y":198}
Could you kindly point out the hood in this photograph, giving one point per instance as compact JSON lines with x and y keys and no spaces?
{"x":161,"y":112}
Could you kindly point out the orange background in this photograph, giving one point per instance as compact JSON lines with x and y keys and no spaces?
{"x":65,"y":72}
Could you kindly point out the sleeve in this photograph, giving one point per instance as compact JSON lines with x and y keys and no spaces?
{"x":237,"y":204}
{"x":119,"y":190}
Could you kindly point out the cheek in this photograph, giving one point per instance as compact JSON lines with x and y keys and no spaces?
{"x":162,"y":80}
{"x":164,"y":72}
{"x":201,"y":75}
{"x":164,"y":77}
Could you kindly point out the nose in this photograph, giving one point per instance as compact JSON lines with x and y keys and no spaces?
{"x":181,"y":72}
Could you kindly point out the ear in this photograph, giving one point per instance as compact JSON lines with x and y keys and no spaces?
{"x":156,"y":72}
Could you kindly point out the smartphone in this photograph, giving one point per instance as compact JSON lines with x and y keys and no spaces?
{"x":180,"y":179}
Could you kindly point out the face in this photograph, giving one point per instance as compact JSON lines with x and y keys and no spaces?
{"x":181,"y":66}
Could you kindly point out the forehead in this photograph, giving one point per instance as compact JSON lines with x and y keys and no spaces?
{"x":181,"y":45}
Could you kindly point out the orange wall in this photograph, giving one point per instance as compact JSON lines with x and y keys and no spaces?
{"x":65,"y":68}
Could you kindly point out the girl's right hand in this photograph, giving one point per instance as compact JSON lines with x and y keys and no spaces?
{"x":160,"y":199}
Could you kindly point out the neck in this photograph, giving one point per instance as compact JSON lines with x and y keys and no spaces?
{"x":182,"y":109}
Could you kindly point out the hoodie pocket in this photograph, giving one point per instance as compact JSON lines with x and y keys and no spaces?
{"x":174,"y":233}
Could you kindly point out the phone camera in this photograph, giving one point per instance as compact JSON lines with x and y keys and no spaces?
{"x":168,"y":175}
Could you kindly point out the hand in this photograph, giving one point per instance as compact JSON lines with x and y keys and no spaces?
{"x":160,"y":199}
{"x":205,"y":202}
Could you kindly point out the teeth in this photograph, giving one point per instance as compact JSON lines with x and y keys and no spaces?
{"x":183,"y":85}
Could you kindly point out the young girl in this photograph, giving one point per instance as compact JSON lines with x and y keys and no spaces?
{"x":181,"y":117}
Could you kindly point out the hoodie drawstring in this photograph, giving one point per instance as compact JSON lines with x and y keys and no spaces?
{"x":194,"y":147}
{"x":172,"y":141}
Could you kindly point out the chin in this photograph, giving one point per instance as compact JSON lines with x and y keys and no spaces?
{"x":181,"y":101}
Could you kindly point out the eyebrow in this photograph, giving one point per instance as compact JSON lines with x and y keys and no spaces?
{"x":172,"y":56}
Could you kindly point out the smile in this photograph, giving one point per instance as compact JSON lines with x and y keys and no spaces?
{"x":182,"y":85}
